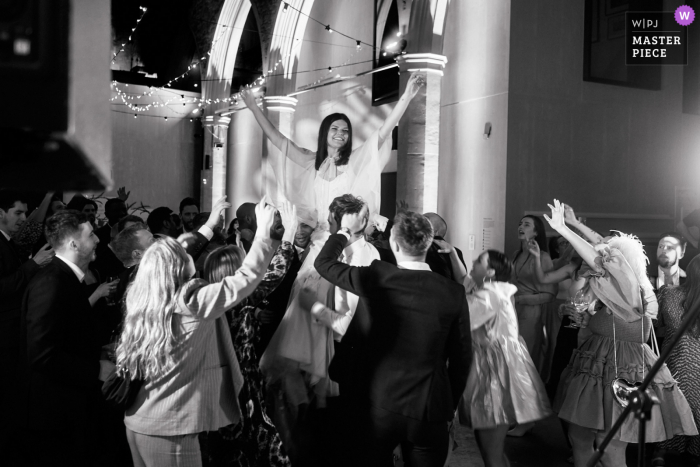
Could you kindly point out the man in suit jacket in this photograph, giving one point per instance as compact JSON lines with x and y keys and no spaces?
{"x":107,"y":263}
{"x":61,"y":367}
{"x":418,"y":349}
{"x":15,"y":273}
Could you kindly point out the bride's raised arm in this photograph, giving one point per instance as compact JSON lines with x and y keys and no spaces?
{"x":415,"y":82}
{"x":281,"y":142}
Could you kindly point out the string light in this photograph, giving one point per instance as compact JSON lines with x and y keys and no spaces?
{"x":259,"y":81}
{"x":138,"y":21}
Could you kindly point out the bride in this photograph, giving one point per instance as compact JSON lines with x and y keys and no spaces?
{"x":311,"y":180}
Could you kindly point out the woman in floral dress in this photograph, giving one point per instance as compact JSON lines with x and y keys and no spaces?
{"x":254,"y":441}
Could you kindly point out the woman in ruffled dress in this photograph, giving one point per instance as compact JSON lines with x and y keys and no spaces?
{"x":503,"y":387}
{"x":615,"y":355}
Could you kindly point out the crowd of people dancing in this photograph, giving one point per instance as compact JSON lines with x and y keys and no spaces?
{"x":313,"y":332}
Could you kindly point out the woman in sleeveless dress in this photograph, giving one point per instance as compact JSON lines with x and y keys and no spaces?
{"x":503,"y":387}
{"x":532,"y":296}
{"x":300,"y":351}
{"x":621,"y":306}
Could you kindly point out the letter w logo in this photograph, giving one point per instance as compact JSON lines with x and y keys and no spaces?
{"x":685,"y":15}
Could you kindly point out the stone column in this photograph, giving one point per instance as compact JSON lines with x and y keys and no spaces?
{"x":280,"y":111}
{"x":244,"y":160}
{"x":215,"y":130}
{"x":419,"y":134}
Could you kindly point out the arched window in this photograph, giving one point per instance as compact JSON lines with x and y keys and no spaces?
{"x":385,"y":84}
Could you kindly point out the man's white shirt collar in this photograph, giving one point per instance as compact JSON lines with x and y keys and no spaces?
{"x":661,"y":276}
{"x":78,"y":272}
{"x":5,"y":235}
{"x":414,"y":265}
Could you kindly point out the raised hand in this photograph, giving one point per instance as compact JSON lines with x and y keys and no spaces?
{"x":122,"y":194}
{"x":569,"y":216}
{"x":355,"y":223}
{"x":415,"y":82}
{"x":248,"y":97}
{"x":265,"y":216}
{"x":44,"y":255}
{"x":557,"y":219}
{"x":533,"y":247}
{"x":215,"y":215}
{"x":288,"y":213}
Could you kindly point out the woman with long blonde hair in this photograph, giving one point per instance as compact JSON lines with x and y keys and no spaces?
{"x":176,"y":339}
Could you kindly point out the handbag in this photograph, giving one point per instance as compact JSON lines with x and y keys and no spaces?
{"x":120,"y":389}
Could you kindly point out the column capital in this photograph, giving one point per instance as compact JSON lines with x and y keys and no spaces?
{"x":280,"y":103}
{"x":216,"y":120}
{"x":424,"y":62}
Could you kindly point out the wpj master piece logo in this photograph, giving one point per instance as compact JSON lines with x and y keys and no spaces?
{"x":658,"y":38}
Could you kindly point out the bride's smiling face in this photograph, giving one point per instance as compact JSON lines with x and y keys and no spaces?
{"x":338,"y":134}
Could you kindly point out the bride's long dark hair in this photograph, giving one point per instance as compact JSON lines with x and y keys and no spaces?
{"x":322,"y":151}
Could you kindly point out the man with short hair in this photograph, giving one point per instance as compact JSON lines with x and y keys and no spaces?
{"x":669,"y":252}
{"x":60,"y":355}
{"x":417,"y":354}
{"x":346,"y":312}
{"x":107,"y":264}
{"x":86,"y":206}
{"x":131,"y":243}
{"x":189,"y":208}
{"x":16,"y":270}
{"x":247,"y":223}
{"x":128,"y":246}
{"x":162,"y":222}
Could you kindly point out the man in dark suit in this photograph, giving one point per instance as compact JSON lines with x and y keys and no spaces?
{"x":15,"y":273}
{"x":60,"y":369}
{"x":418,"y":350}
{"x":106,"y":263}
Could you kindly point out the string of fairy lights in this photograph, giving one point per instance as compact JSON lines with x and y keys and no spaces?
{"x":202,"y":104}
{"x":133,"y":30}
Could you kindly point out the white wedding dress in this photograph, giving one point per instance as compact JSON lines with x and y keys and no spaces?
{"x":300,"y":351}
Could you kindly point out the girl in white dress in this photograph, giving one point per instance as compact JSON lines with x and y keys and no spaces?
{"x":311,"y":180}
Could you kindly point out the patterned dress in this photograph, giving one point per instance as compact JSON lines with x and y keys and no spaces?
{"x":254,"y":441}
{"x":683,"y":363}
